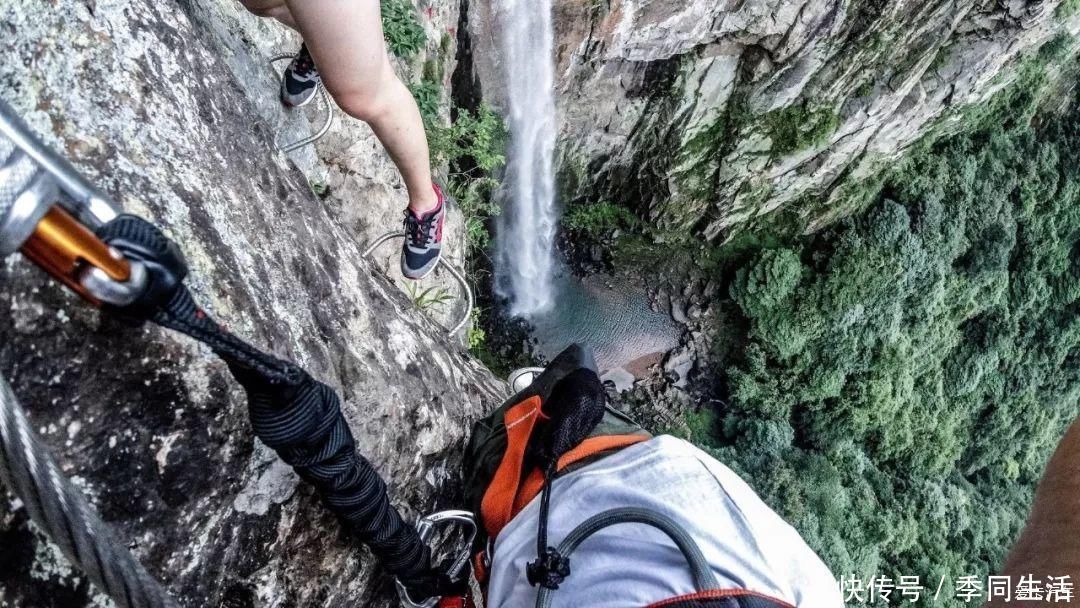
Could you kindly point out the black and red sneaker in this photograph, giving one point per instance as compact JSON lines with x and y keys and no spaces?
{"x":300,"y":80}
{"x":423,"y":239}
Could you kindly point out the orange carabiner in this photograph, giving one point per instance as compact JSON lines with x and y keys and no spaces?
{"x":66,"y":249}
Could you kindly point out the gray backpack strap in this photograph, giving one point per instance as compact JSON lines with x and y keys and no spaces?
{"x":703,"y":575}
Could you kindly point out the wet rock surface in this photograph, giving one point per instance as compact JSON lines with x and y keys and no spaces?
{"x":141,"y":97}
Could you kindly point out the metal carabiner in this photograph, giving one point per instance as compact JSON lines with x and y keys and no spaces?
{"x":91,"y":206}
{"x":48,"y":210}
{"x":426,"y":529}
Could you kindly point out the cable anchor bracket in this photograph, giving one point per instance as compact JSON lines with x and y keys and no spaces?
{"x":426,"y":528}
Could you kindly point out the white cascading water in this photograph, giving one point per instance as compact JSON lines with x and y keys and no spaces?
{"x":525,"y":258}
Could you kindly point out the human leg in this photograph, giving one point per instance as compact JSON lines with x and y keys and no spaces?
{"x":275,"y":9}
{"x":346,"y":41}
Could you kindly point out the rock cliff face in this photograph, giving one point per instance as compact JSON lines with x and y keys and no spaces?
{"x":703,"y":114}
{"x":347,"y":168}
{"x":162,"y":106}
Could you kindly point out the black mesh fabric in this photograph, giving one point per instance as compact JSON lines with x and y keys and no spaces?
{"x":573,"y":409}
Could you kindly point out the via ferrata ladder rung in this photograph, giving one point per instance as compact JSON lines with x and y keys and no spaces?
{"x":325,"y":97}
{"x":459,"y":276}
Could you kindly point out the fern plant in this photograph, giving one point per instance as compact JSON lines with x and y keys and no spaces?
{"x":429,"y":298}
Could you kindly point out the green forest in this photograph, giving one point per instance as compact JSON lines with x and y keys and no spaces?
{"x":894,"y":384}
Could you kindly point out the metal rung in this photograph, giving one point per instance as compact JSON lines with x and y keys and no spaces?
{"x":457,"y":274}
{"x":325,"y":97}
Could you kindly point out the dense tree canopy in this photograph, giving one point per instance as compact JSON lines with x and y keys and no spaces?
{"x":905,"y":374}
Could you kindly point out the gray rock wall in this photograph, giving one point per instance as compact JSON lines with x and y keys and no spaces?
{"x":143,"y":98}
{"x":348,"y":168}
{"x":686,"y":109}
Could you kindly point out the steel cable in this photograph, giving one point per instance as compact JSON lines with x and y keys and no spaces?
{"x":325,"y":97}
{"x":64,"y":515}
{"x":470,"y":301}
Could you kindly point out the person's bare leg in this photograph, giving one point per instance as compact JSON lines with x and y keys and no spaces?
{"x":345,"y":39}
{"x":1050,"y":543}
{"x":275,"y":9}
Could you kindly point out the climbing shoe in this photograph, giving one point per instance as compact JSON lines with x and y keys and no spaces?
{"x":423,"y":239}
{"x":300,"y":80}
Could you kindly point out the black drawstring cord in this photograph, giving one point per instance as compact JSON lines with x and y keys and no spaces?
{"x":545,"y":506}
{"x":550,"y":568}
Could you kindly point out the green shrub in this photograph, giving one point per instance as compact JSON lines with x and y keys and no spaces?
{"x":474,"y":145}
{"x":1057,"y":48}
{"x":798,"y":127}
{"x":476,"y":337}
{"x":480,"y":136}
{"x":1067,"y":9}
{"x":403,"y":32}
{"x":598,"y":218}
{"x":428,"y":96}
{"x":699,"y":427}
{"x":433,"y":71}
{"x":767,"y":282}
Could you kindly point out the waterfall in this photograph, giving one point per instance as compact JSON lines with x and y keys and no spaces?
{"x":526,"y":231}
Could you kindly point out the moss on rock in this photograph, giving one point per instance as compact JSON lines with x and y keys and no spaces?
{"x":800,"y":127}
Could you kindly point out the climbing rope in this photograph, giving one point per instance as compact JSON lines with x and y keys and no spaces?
{"x":32,"y":177}
{"x":62,"y":513}
{"x":297,"y":416}
{"x":325,"y":98}
{"x":470,"y":301}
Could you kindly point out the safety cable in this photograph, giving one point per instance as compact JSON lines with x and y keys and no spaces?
{"x":325,"y":98}
{"x":470,"y":300}
{"x":291,"y":413}
{"x":62,"y":513}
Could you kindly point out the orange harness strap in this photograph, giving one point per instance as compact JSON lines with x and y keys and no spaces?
{"x":496,"y":508}
{"x":510,"y":489}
